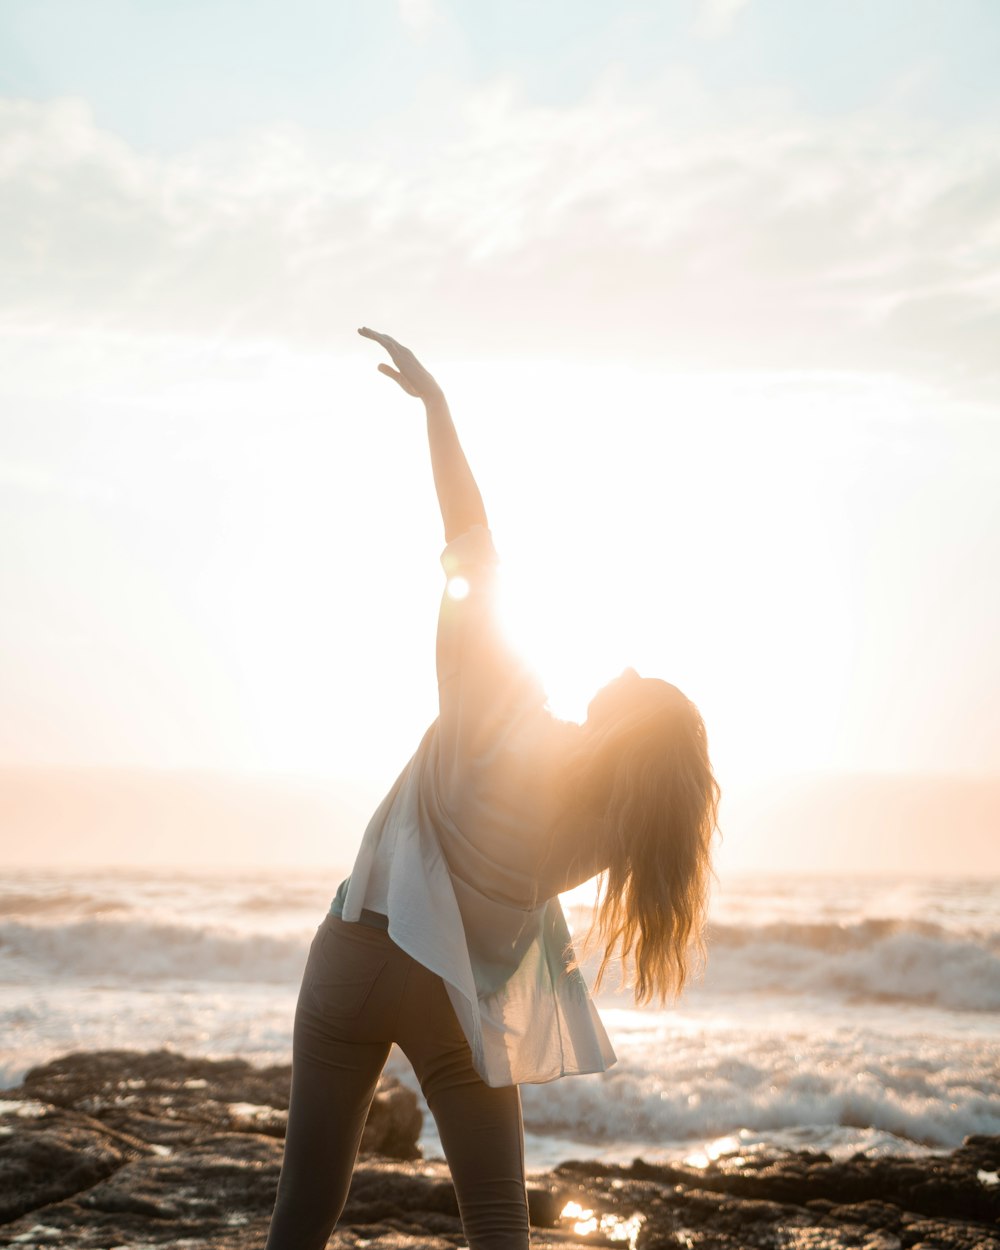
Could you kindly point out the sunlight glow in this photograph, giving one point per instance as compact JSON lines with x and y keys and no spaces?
{"x":612,"y":1227}
{"x":581,"y":599}
{"x":714,"y":1150}
{"x":457,"y":588}
{"x":574,"y":648}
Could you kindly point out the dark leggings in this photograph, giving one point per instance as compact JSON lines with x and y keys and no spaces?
{"x":360,"y":993}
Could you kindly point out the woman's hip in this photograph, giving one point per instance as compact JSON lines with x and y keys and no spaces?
{"x":353,"y":981}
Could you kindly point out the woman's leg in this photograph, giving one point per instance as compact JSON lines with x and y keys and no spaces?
{"x":480,"y":1126}
{"x":340,"y":1043}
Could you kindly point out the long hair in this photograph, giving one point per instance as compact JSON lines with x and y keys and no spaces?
{"x":645,"y":770}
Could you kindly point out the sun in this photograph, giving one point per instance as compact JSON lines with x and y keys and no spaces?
{"x":573,"y":653}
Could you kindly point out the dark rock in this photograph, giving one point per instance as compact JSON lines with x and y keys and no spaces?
{"x":117,"y":1148}
{"x":168,"y":1099}
{"x":394,"y":1122}
{"x":871,"y":1214}
{"x":47,"y":1153}
{"x":933,"y":1185}
{"x":545,"y":1205}
{"x":953,"y":1235}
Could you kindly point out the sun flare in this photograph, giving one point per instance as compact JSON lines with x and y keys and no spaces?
{"x":573,"y":652}
{"x":458,"y":588}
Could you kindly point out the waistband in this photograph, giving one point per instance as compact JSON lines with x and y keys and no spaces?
{"x":374,"y":918}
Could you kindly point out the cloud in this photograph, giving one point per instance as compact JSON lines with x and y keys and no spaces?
{"x":615,"y":224}
{"x":418,"y":16}
{"x":717,"y":17}
{"x":39,"y":479}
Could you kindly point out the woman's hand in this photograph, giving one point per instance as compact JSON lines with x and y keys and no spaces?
{"x":409,"y":372}
{"x":457,"y":492}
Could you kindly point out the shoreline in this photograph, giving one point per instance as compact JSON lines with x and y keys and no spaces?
{"x":133,"y":1148}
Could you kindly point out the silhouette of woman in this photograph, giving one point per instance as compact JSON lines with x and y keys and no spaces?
{"x":448,"y":937}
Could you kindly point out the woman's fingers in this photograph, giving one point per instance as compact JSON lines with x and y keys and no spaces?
{"x":409,"y":373}
{"x":390,"y":372}
{"x":387,"y":342}
{"x":396,"y":350}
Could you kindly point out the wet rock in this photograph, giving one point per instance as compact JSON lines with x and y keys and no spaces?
{"x":166,"y":1098}
{"x":802,"y":1201}
{"x":545,"y":1205}
{"x":949,"y":1186}
{"x":118,"y":1148}
{"x":872,"y":1214}
{"x":394,"y":1122}
{"x":47,"y":1153}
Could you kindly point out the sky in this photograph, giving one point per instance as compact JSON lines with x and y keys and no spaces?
{"x":713,"y":289}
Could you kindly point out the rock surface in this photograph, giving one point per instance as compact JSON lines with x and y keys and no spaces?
{"x":128,"y":1150}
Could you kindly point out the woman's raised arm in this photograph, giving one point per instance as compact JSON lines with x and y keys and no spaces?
{"x":458,"y":495}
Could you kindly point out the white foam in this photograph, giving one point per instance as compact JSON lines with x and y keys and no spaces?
{"x":834,"y":1015}
{"x":111,"y":951}
{"x":684,"y":1085}
{"x":884,"y":961}
{"x":909,"y":962}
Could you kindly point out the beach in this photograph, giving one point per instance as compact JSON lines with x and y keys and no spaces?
{"x":133,"y":1150}
{"x":840,"y":1023}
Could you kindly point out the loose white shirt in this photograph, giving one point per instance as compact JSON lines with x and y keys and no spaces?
{"x":468,"y":852}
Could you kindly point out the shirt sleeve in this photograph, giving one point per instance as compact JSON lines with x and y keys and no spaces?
{"x":484,"y":686}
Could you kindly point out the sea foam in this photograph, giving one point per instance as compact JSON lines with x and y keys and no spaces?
{"x":834,"y":1014}
{"x":672,"y":1086}
{"x":871,"y":961}
{"x":144,"y":951}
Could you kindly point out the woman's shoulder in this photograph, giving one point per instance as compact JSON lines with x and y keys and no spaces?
{"x":537,"y":734}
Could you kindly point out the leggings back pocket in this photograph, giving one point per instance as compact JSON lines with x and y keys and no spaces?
{"x":342,"y":969}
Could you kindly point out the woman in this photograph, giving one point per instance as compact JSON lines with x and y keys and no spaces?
{"x":448,"y":937}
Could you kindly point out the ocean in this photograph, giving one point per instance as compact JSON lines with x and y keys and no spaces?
{"x":839,"y":1014}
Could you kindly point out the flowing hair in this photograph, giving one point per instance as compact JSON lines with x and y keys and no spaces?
{"x":646,"y":771}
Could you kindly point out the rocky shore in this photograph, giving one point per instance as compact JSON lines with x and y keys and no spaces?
{"x":133,"y":1150}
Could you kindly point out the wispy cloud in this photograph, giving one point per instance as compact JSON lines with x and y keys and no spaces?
{"x":717,"y":17}
{"x":39,"y":479}
{"x":418,"y":16}
{"x":769,"y":241}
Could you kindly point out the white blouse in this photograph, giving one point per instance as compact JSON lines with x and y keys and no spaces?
{"x":468,"y":852}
